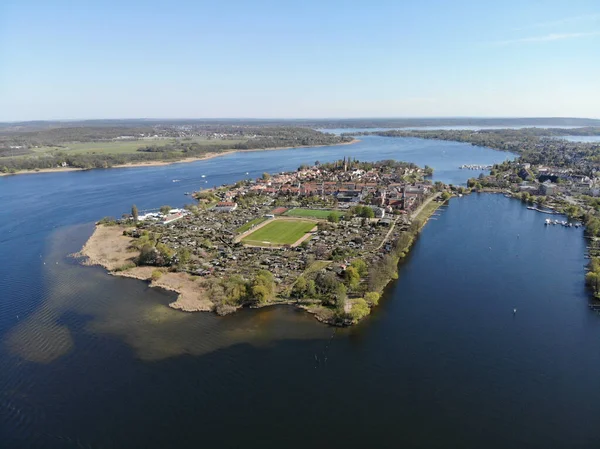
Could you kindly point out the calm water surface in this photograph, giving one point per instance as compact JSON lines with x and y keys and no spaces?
{"x":586,"y":139}
{"x":90,"y":360}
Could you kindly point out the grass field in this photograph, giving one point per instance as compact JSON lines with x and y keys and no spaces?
{"x":124,"y":146}
{"x":251,"y":223}
{"x":317,"y":265}
{"x":312,"y":213}
{"x":279,"y":232}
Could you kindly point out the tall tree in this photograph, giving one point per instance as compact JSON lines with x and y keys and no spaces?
{"x":134,"y":212}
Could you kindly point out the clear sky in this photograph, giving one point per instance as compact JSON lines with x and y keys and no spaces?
{"x":311,"y":58}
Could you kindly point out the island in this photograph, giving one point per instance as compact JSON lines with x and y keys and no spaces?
{"x":326,"y":238}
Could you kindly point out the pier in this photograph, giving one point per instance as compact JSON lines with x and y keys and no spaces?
{"x":475,"y":167}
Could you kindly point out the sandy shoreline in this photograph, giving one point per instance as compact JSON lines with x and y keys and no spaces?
{"x":161,"y":163}
{"x":109,"y":248}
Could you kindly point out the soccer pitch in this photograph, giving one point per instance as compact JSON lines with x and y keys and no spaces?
{"x":279,"y":232}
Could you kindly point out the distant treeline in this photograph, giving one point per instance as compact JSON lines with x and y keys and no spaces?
{"x":308,"y":123}
{"x":17,"y":136}
{"x":256,"y":138}
{"x":534,"y":145}
{"x":12,"y":164}
{"x":261,"y":138}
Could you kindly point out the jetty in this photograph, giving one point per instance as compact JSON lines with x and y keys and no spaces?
{"x":475,"y":167}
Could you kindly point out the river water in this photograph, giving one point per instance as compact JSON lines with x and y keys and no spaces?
{"x":90,"y":360}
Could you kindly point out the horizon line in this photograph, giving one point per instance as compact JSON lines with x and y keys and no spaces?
{"x":443,"y":117}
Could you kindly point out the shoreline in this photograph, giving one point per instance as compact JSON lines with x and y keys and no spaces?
{"x":159,"y":163}
{"x":107,"y":247}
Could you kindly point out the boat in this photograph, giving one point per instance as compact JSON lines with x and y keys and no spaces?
{"x":548,"y":221}
{"x":203,"y":176}
{"x":176,"y":180}
{"x":187,"y":193}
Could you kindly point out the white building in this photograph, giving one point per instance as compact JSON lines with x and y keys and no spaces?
{"x":226,"y":206}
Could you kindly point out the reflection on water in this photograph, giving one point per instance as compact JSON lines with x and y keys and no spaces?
{"x":137,"y":314}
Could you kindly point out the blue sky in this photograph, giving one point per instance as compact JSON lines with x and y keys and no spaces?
{"x":125,"y":59}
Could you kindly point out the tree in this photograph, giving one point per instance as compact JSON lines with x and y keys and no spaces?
{"x":134,"y":212}
{"x":366,"y":212}
{"x":340,"y":299}
{"x":184,"y":256}
{"x":446,"y":196}
{"x":333,"y":218}
{"x":360,"y":309}
{"x":311,"y":289}
{"x":165,"y":254}
{"x":263,"y":286}
{"x":299,"y":289}
{"x":360,"y":266}
{"x":147,"y":255}
{"x":266,"y":176}
{"x":165,"y":209}
{"x":317,"y":163}
{"x":352,"y":277}
{"x":372,"y":298}
{"x":327,"y":283}
{"x":260,"y":293}
{"x":235,"y":289}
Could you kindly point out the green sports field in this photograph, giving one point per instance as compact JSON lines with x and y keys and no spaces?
{"x":279,"y":232}
{"x":312,"y":213}
{"x":251,"y":223}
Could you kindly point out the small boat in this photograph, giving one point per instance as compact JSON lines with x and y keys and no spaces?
{"x":176,"y":180}
{"x":203,"y":176}
{"x":187,"y":193}
{"x":548,"y":221}
{"x":247,"y":173}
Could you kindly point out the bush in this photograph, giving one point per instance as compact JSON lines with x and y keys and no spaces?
{"x":361,"y":266}
{"x":125,"y":267}
{"x":360,"y":309}
{"x":156,"y":274}
{"x":108,"y":221}
{"x":372,"y":298}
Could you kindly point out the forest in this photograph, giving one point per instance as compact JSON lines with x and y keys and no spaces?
{"x":49,"y":148}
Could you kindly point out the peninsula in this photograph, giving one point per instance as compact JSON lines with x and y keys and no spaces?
{"x":326,"y":238}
